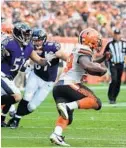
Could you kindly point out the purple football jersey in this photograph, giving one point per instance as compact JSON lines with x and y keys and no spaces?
{"x":48,"y":73}
{"x":17,"y":57}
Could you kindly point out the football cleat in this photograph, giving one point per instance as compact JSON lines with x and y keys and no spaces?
{"x":63,"y":109}
{"x":3,"y":124}
{"x":13,"y":123}
{"x":58,"y":140}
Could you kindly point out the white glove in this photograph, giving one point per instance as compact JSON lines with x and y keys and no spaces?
{"x":49,"y":57}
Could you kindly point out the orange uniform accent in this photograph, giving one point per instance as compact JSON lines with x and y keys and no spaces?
{"x":87,"y":103}
{"x":85,"y":52}
{"x":62,"y":122}
{"x":69,"y":63}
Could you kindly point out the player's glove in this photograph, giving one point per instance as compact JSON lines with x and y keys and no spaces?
{"x":4,"y":53}
{"x":49,"y":57}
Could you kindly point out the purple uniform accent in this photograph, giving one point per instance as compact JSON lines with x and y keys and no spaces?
{"x":17,"y":57}
{"x":48,"y":73}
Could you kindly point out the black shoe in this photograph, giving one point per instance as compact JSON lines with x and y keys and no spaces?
{"x":112,"y":102}
{"x":13,"y":123}
{"x":3,"y":124}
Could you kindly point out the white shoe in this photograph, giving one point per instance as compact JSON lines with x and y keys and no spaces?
{"x":63,"y":110}
{"x":59,"y":140}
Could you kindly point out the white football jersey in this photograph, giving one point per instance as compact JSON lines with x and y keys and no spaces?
{"x":73,"y":72}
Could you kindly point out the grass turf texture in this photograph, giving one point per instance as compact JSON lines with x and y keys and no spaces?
{"x":104,"y":128}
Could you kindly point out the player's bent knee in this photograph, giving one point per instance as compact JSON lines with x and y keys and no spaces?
{"x":99,"y":104}
{"x":28,"y":96}
{"x":31,"y":107}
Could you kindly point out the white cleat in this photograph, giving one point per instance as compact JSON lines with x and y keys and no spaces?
{"x":58,"y":140}
{"x":62,"y":107}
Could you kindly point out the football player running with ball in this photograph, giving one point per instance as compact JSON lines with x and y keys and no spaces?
{"x":69,"y":92}
{"x":41,"y":80}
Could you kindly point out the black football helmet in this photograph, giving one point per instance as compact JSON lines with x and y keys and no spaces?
{"x":39,"y":37}
{"x":23,"y":33}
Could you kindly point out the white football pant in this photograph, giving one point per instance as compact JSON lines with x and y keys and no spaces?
{"x":36,"y":91}
{"x":8,"y":86}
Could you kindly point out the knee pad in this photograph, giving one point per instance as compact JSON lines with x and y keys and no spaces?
{"x":31,"y":107}
{"x":99,"y":104}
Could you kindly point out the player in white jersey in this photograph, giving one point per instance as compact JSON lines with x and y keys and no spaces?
{"x":69,"y":92}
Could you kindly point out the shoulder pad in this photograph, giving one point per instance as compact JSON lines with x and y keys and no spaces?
{"x":83,"y":49}
{"x":55,"y":45}
{"x":6,"y":41}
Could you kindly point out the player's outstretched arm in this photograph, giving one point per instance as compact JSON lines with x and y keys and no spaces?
{"x":91,"y":67}
{"x":61,"y":54}
{"x":42,"y":61}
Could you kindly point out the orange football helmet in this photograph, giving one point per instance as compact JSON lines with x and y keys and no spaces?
{"x":92,"y":38}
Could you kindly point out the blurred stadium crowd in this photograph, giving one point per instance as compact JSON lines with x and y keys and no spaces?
{"x":67,"y":18}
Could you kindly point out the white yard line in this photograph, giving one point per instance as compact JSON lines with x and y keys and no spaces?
{"x":105,"y":104}
{"x":121,"y":104}
{"x":92,"y":118}
{"x":72,"y":138}
{"x":71,"y":128}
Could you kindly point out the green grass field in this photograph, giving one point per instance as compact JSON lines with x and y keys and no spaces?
{"x":104,"y":128}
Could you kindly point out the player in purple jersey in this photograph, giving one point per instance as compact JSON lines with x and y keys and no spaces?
{"x":41,"y":79}
{"x":15,"y":51}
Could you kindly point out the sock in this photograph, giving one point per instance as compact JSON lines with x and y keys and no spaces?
{"x":8,"y":101}
{"x":3,"y":116}
{"x":62,"y":122}
{"x":58,"y":130}
{"x":22,"y":108}
{"x":12,"y":108}
{"x":6,"y":108}
{"x":5,"y":99}
{"x":87,"y":103}
{"x":72,"y":105}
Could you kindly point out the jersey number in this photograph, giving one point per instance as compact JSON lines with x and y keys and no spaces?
{"x":17,"y":65}
{"x":38,"y":67}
